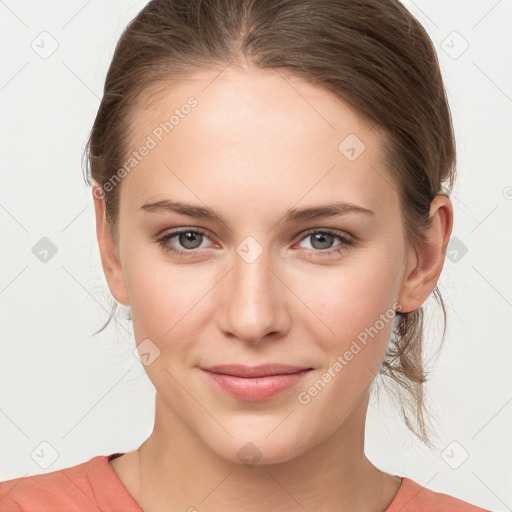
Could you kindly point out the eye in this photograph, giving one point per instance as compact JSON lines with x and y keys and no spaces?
{"x":322,"y":240}
{"x":190,"y":239}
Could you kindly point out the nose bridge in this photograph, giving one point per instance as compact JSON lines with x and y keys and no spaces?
{"x":251,"y":276}
{"x":255,"y":298}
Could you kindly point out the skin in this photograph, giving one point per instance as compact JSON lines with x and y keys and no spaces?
{"x":257,"y":144}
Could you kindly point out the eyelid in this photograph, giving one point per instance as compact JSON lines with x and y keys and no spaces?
{"x":301,"y":236}
{"x":332,"y":231}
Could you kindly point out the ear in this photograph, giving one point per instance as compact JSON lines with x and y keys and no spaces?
{"x":424,"y":265}
{"x":108,"y":251}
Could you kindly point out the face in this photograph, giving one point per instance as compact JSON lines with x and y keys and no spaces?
{"x":248,"y":270}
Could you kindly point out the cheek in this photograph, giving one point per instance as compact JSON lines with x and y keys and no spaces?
{"x":165,"y":298}
{"x":168,"y":311}
{"x":359,"y":313}
{"x":353,"y":296}
{"x":353,"y":312}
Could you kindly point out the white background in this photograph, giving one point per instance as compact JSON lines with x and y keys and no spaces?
{"x":88,"y":395}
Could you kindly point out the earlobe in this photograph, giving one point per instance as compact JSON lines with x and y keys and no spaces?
{"x":426,"y":263}
{"x":108,"y":252}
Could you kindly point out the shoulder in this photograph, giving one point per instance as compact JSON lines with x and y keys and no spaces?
{"x":86,"y":487}
{"x":413,"y":497}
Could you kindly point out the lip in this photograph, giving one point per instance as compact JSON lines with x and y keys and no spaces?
{"x":255,"y":383}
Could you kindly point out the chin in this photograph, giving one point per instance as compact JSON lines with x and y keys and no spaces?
{"x":252,"y":448}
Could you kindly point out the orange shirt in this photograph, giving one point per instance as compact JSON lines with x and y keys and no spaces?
{"x":93,"y":486}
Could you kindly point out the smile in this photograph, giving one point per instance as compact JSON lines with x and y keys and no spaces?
{"x":255,"y":384}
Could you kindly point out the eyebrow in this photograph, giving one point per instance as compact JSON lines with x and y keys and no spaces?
{"x":292,"y":215}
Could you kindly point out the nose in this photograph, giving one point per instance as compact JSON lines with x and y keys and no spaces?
{"x":254,"y":306}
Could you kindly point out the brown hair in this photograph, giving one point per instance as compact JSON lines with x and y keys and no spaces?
{"x":372,"y":54}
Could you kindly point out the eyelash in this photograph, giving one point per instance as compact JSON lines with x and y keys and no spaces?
{"x":346,"y":242}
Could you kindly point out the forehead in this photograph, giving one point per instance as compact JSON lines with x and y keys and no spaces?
{"x":255,"y":134}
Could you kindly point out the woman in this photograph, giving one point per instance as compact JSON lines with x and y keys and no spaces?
{"x":271,"y":185}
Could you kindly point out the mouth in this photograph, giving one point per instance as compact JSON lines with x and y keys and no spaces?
{"x":255,"y":383}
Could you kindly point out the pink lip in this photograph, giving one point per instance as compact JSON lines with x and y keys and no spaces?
{"x":255,"y":383}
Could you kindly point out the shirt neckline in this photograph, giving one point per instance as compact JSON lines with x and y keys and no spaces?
{"x":107,"y":458}
{"x":122,"y":491}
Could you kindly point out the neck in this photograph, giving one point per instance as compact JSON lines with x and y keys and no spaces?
{"x":177,"y":471}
